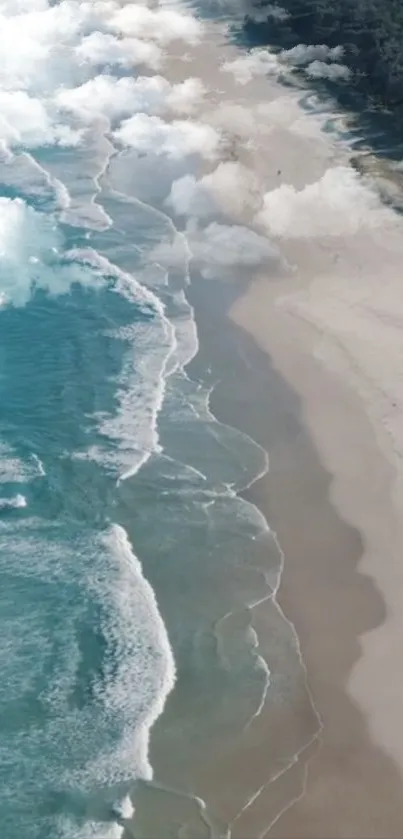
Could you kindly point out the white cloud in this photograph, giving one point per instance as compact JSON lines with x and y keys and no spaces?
{"x":24,"y":121}
{"x":50,"y":54}
{"x":333,"y":72}
{"x":30,"y":248}
{"x":304,"y":54}
{"x":188,"y":198}
{"x":184,"y":97}
{"x":258,"y":62}
{"x":219,"y":247}
{"x":316,"y":59}
{"x":338,"y":204}
{"x":175,"y":139}
{"x":267,"y":12}
{"x":230,"y":188}
{"x":161,"y":25}
{"x":103,"y":48}
{"x":115,"y":98}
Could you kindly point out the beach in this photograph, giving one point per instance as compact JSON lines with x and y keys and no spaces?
{"x":330,"y":478}
{"x":345,"y":783}
{"x":201,"y":443}
{"x":303,"y":358}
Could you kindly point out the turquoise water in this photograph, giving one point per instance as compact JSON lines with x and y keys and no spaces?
{"x":128,"y":563}
{"x":89,"y":358}
{"x":90,"y":355}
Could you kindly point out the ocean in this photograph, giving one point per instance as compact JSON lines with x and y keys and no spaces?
{"x":130,"y":564}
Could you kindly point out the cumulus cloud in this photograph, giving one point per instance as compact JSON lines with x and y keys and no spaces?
{"x":52,"y":51}
{"x":174,"y":139}
{"x":231,"y":188}
{"x":265,"y":12}
{"x":185,"y":97}
{"x":219,"y":248}
{"x":317,"y":60}
{"x":338,"y":204}
{"x":41,"y":44}
{"x":104,"y":49}
{"x":111,"y":97}
{"x":332,"y":72}
{"x":53,"y":62}
{"x":304,"y":54}
{"x":188,"y":198}
{"x":161,"y":24}
{"x":25,"y":121}
{"x":115,"y":98}
{"x":258,"y":62}
{"x":30,"y":256}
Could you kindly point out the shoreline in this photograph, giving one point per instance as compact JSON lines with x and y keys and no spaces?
{"x":319,"y":496}
{"x":347,"y":787}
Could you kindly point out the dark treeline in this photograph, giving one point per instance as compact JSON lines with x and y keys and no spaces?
{"x":371,"y":31}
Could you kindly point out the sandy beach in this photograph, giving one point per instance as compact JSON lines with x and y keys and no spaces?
{"x":332,"y":329}
{"x":328,"y":586}
{"x":308,"y":364}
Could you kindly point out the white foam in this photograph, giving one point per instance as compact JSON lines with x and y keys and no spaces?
{"x":141,"y":384}
{"x":16,"y":502}
{"x":107,"y":737}
{"x":124,"y":809}
{"x":39,"y":464}
{"x":68,"y":829}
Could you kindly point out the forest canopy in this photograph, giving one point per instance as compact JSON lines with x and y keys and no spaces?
{"x":371,"y":32}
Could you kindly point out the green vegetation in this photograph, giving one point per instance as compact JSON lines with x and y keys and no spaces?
{"x":371,"y":32}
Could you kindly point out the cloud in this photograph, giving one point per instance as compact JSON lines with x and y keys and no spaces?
{"x":115,"y":98}
{"x":104,"y":49}
{"x":258,"y":62}
{"x":183,"y":98}
{"x":151,"y":134}
{"x":333,"y":72}
{"x":52,"y":55}
{"x":316,"y":59}
{"x":25,"y":121}
{"x":188,"y":198}
{"x":160,"y":24}
{"x":231,"y":188}
{"x":304,"y":54}
{"x":338,"y":204}
{"x":267,"y":12}
{"x":31,"y":256}
{"x":219,"y":247}
{"x":259,"y":12}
